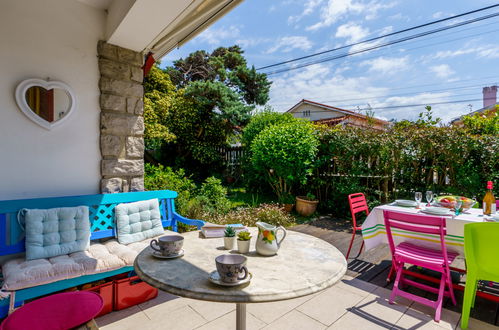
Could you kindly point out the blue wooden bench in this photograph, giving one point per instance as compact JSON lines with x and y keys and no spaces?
{"x":101,"y":209}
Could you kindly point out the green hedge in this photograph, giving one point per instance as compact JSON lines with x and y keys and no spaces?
{"x":396,"y":163}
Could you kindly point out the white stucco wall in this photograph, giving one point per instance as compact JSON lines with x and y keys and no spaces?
{"x":56,"y":39}
{"x":316,"y":112}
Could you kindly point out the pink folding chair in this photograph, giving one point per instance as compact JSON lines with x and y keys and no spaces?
{"x":437,"y":260}
{"x":358,"y":204}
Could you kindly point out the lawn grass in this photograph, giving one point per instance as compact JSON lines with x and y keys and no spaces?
{"x":239,"y":197}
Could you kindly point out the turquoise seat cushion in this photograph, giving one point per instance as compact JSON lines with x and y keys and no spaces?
{"x":138,"y":221}
{"x":55,"y":232}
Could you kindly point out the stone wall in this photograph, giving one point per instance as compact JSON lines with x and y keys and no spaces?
{"x":122,"y":121}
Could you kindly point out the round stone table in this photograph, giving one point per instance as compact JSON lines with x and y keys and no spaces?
{"x":303,"y":265}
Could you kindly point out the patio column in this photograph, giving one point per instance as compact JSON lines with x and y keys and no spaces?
{"x":121,"y":121}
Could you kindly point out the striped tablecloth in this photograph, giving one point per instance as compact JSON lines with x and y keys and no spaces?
{"x":373,"y":229}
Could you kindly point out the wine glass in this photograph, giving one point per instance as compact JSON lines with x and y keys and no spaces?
{"x":457,"y":206}
{"x":429,"y":197}
{"x":418,"y":196}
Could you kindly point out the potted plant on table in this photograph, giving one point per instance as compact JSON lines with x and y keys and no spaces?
{"x":306,"y":205}
{"x":243,"y":241}
{"x":229,"y":238}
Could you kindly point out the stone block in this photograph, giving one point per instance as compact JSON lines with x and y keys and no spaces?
{"x":111,"y":145}
{"x":134,"y":105}
{"x":122,"y":125}
{"x":137,"y":184}
{"x":135,"y":147}
{"x":112,"y":102}
{"x":136,"y":74}
{"x":129,"y":56}
{"x":113,"y":69}
{"x":106,"y":50}
{"x":111,"y":186}
{"x":120,"y":87}
{"x":126,"y":186}
{"x":122,"y":167}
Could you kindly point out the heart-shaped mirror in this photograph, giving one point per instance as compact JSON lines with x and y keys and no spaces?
{"x":47,"y":103}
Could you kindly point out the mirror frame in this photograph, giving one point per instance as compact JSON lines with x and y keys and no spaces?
{"x":23,"y":87}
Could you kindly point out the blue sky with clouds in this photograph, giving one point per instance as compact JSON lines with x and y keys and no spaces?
{"x":443,"y":67}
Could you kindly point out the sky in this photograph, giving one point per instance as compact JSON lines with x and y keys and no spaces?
{"x":446,"y":70}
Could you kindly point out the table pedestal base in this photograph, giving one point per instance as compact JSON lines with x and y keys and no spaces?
{"x":241,"y":316}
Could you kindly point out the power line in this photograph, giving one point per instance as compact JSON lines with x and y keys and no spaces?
{"x":380,"y":37}
{"x":421,"y":104}
{"x":400,"y":94}
{"x":419,"y":35}
{"x":406,"y":105}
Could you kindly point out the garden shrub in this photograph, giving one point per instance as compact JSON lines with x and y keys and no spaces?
{"x":249,"y":216}
{"x":164,"y":178}
{"x":262,"y":120}
{"x":214,"y":195}
{"x":252,"y":178}
{"x":284,"y":154}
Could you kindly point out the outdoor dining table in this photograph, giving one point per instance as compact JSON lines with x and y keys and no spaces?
{"x":303,"y":265}
{"x":374,"y":233}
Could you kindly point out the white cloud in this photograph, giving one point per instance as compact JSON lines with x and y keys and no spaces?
{"x":251,"y":42}
{"x":366,"y":45}
{"x":386,"y":65}
{"x":399,"y":16}
{"x":318,"y":83}
{"x":352,"y":31}
{"x":485,"y":51}
{"x":218,"y":36}
{"x":287,"y":44}
{"x":308,"y":8}
{"x":419,"y":101}
{"x":386,"y":30}
{"x":336,"y":9}
{"x":442,"y":71}
{"x":438,"y":15}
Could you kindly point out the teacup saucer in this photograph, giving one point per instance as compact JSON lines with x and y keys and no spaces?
{"x":172,"y":256}
{"x":215,"y":278}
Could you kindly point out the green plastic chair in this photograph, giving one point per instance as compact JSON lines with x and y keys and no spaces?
{"x":481,"y":249}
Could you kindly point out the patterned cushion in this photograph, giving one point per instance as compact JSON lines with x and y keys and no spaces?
{"x":138,"y":221}
{"x":20,"y":273}
{"x":54,"y":232}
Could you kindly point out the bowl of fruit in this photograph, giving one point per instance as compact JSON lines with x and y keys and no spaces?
{"x":450,"y":201}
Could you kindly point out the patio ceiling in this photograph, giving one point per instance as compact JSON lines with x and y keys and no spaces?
{"x":158,"y":26}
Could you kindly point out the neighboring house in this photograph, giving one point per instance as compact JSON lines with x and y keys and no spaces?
{"x":332,"y":116}
{"x":489,"y":103}
{"x":98,"y":48}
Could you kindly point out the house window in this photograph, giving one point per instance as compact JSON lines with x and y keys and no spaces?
{"x":306,"y":113}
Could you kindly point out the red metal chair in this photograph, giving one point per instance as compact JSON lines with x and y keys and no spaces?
{"x":358,"y":204}
{"x":437,"y":260}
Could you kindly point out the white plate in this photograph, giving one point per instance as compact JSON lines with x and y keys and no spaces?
{"x":215,"y":278}
{"x":406,"y":203}
{"x":437,"y":211}
{"x":173,"y":256}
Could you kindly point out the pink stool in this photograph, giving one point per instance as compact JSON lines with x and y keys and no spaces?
{"x":59,"y":311}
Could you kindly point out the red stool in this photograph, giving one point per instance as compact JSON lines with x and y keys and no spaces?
{"x":59,"y":311}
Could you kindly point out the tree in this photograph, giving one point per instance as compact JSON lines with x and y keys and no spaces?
{"x":158,"y":98}
{"x":213,"y":95}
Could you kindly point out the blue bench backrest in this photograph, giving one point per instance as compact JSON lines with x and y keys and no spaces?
{"x":101,"y":207}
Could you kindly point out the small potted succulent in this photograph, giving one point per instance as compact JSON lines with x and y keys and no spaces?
{"x":243,"y":241}
{"x":230,"y":238}
{"x":306,"y":205}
